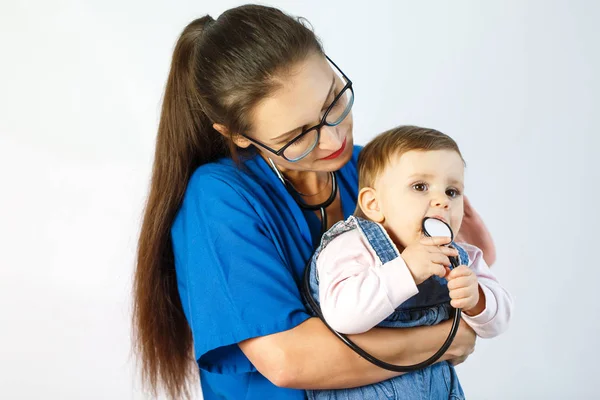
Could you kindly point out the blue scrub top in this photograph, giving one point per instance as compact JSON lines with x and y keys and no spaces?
{"x":241,"y":244}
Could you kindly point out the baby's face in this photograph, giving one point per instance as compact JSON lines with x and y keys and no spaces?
{"x":420,"y":184}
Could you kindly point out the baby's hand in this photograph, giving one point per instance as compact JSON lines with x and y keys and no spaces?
{"x":428,"y":257}
{"x":464,"y":290}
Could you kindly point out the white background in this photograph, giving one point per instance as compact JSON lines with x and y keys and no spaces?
{"x":516,"y":83}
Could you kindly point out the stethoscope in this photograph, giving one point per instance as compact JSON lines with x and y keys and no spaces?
{"x":431,"y":227}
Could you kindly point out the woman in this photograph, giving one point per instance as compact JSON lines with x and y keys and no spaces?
{"x":255,"y":121}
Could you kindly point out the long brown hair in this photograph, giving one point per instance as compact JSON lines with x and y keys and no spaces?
{"x":219,"y":71}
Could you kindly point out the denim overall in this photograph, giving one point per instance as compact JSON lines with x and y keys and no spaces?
{"x":428,"y":307}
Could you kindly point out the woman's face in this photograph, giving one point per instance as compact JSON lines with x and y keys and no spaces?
{"x":303,"y":97}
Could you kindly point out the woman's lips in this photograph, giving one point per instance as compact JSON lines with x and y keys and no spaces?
{"x":336,"y":153}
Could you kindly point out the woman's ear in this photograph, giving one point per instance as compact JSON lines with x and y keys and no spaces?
{"x":369,"y":204}
{"x":239,"y":140}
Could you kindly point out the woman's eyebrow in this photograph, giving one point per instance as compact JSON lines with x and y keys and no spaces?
{"x":331,"y":89}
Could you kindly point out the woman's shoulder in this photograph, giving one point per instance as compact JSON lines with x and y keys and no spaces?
{"x":220,"y":191}
{"x":216,"y":170}
{"x":245,"y":179}
{"x":223,"y":176}
{"x":226,"y":173}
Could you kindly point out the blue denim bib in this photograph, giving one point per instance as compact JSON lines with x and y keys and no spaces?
{"x":428,"y":307}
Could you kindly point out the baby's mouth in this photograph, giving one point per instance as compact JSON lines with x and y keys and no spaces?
{"x":438,"y":217}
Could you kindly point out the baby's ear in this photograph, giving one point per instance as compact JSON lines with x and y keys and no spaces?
{"x":369,"y":204}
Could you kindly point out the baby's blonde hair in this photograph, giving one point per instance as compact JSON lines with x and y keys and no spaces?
{"x":376,"y":155}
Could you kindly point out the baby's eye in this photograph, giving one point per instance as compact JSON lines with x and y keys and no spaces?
{"x":420,"y":187}
{"x":452,"y":193}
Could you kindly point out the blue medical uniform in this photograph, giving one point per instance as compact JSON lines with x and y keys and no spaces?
{"x":241,"y":244}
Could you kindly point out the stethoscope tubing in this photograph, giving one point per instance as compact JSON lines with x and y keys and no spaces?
{"x":310,"y":302}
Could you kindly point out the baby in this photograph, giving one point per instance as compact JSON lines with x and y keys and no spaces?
{"x":378,"y":269}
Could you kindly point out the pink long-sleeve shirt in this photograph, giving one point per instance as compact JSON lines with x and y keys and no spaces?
{"x":357,"y":291}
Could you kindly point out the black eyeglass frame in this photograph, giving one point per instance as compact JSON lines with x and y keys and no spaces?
{"x":317,"y":127}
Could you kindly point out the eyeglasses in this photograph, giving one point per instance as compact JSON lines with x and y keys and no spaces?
{"x":300,"y":146}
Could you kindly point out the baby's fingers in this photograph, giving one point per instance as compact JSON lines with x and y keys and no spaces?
{"x":460,"y":303}
{"x":461,"y":270}
{"x":439,"y":270}
{"x":460,"y":293}
{"x":447,"y":251}
{"x":460,"y":282}
{"x":435,"y":241}
{"x":439,"y":258}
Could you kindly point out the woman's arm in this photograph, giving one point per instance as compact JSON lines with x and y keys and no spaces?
{"x":310,"y":356}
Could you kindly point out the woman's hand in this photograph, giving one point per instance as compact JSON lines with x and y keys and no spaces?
{"x":458,"y":360}
{"x":462,"y":346}
{"x":474,"y":231}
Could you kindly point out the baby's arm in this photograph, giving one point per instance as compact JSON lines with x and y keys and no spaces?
{"x":356,"y":291}
{"x":497,"y":302}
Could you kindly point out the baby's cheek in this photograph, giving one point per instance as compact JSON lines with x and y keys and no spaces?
{"x":456,"y":223}
{"x":405,"y":229}
{"x":399,"y":237}
{"x":411,"y":234}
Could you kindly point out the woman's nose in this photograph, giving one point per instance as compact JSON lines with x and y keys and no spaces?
{"x":329,"y":139}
